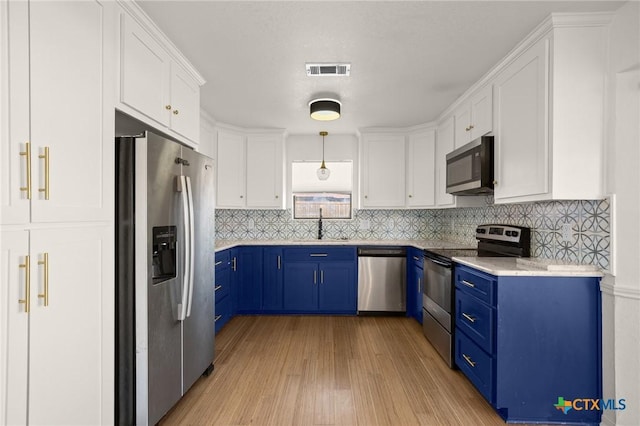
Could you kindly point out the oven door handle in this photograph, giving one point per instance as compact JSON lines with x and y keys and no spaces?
{"x":438,"y":262}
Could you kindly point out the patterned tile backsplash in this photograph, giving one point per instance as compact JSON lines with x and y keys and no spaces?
{"x":572,"y":231}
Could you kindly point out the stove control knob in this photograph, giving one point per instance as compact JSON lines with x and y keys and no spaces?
{"x":514,"y":233}
{"x":508,"y":233}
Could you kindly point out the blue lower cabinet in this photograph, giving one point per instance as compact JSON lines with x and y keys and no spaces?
{"x":336,"y":289}
{"x":272,"y":284}
{"x":415,"y":283}
{"x":528,"y":342}
{"x":248,"y":270}
{"x":301,"y":287}
{"x":319,"y":280}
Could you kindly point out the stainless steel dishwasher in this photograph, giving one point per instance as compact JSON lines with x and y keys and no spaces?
{"x":381,"y":280}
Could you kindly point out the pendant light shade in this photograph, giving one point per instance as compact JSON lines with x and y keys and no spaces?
{"x":323,"y":173}
{"x":324,"y":109}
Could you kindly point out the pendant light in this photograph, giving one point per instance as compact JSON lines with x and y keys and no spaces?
{"x":323,"y":173}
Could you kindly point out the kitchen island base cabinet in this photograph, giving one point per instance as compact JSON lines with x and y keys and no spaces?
{"x":543,"y":343}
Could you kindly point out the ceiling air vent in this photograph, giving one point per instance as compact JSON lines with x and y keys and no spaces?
{"x":320,"y":70}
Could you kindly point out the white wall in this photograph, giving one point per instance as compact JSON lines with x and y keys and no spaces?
{"x":309,"y":148}
{"x":621,"y":292}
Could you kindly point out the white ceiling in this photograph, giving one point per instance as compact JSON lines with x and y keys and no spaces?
{"x":409,"y":59}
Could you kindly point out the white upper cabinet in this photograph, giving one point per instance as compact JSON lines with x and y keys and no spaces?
{"x":549,"y":114}
{"x":56,"y":146}
{"x":231,"y":188}
{"x":156,"y":86}
{"x":383,"y":171}
{"x":250,"y":170}
{"x":521,"y":148}
{"x":444,"y":145}
{"x":421,"y":151}
{"x":265,"y":171}
{"x":474,"y":118}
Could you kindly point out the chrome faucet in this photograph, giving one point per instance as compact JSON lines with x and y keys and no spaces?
{"x":320,"y":225}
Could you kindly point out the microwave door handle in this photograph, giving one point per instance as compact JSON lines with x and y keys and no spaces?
{"x":191,"y":245}
{"x":182,"y":306}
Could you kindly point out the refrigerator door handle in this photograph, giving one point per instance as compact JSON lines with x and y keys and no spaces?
{"x":182,"y":188}
{"x":191,"y":243}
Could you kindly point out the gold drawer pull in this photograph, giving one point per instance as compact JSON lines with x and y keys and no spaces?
{"x":468,"y":317}
{"x":45,"y":157}
{"x":469,"y":361}
{"x":27,"y":284}
{"x":27,"y":153}
{"x":468,"y":284}
{"x":45,"y":295}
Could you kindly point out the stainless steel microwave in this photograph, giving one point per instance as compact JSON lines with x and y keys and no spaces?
{"x":470,"y":168}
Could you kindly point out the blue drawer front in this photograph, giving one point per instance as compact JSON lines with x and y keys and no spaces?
{"x":222,"y":287}
{"x":475,"y":364}
{"x":223,"y":259}
{"x":319,"y":253}
{"x":476,"y":283}
{"x":222,"y":313}
{"x":476,"y":319}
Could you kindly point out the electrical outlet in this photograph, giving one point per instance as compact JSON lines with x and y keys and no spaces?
{"x":365,"y":224}
{"x":567,"y":232}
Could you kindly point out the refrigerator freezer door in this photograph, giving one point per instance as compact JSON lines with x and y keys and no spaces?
{"x":198,"y":327}
{"x":161,"y":201}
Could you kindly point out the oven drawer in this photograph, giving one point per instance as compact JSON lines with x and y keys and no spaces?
{"x":476,"y":319}
{"x":475,"y":283}
{"x":476,"y":365}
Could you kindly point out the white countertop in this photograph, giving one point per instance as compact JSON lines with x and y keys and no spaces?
{"x":509,"y":266}
{"x":419,"y":244}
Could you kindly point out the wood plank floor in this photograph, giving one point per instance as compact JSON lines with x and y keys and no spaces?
{"x":329,"y":370}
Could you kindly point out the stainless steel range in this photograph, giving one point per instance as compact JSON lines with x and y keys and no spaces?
{"x":438,"y":293}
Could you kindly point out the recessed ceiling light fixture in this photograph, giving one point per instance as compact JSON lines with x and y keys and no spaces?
{"x":324,"y":109}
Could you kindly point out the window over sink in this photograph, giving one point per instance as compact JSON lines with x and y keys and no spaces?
{"x":333,"y":196}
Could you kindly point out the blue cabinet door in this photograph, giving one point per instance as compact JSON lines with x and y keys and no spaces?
{"x":415,"y":262}
{"x":249,"y":280}
{"x":336,"y":287}
{"x":273,"y":279}
{"x":301,"y":287}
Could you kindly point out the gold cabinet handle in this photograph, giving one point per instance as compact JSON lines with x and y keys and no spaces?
{"x":27,"y":153}
{"x":176,"y":112}
{"x":27,"y":284}
{"x":468,"y":317}
{"x":167,"y":107}
{"x":45,"y":157}
{"x":45,"y":295}
{"x":471,"y":126}
{"x":466,"y":129}
{"x":469,"y":360}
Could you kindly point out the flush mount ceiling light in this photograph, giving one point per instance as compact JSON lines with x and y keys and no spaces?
{"x":324,"y":109}
{"x":323,"y":173}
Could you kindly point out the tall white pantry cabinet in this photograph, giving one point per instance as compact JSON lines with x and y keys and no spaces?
{"x":56,"y":225}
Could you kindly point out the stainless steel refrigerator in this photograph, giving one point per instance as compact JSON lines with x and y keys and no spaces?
{"x":164,"y":275}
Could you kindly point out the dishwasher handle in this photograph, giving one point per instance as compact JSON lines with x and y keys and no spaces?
{"x":382,"y":252}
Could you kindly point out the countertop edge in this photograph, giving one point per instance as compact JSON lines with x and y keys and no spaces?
{"x":419,"y":244}
{"x":501,"y":266}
